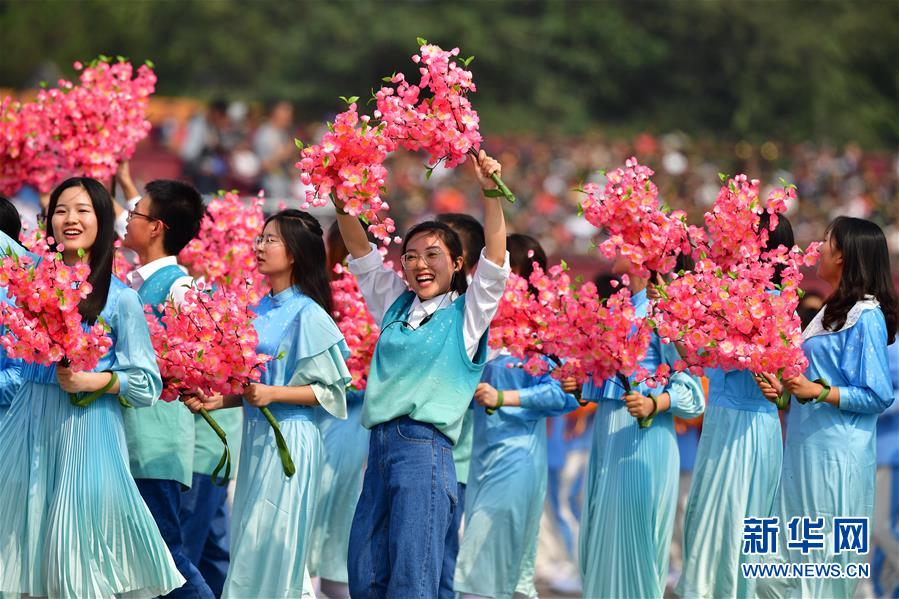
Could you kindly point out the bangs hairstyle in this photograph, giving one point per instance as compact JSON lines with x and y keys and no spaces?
{"x":452,"y":242}
{"x":866,"y":271}
{"x":101,"y":253}
{"x":302,"y":236}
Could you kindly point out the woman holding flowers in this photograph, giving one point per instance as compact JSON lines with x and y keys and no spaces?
{"x":72,"y":522}
{"x":428,"y":360}
{"x":633,"y":472}
{"x":737,"y":471}
{"x":273,"y":511}
{"x":829,"y":456}
{"x":507,"y":483}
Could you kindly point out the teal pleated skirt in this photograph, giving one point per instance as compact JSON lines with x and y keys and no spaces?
{"x":737,"y":474}
{"x":345,"y":451}
{"x":272,"y":518}
{"x":630,"y":503}
{"x":72,"y":522}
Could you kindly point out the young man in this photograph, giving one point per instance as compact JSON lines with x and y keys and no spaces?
{"x":161,"y":438}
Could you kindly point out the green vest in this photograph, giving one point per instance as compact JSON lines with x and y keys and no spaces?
{"x":160,"y":438}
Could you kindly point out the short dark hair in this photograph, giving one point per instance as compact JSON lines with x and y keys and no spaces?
{"x":180,"y":207}
{"x":10,"y":223}
{"x":470,"y":232}
{"x":782,"y":235}
{"x":448,"y":237}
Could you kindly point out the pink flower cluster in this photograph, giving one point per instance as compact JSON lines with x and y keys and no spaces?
{"x":222,"y":253}
{"x":728,"y":312}
{"x":732,"y":223}
{"x":44,"y":326}
{"x":442,"y":121}
{"x":354,"y":321}
{"x":639,"y":226}
{"x":348,"y":165}
{"x":84,"y":129}
{"x":737,"y":319}
{"x":549,"y":316}
{"x":207,"y":342}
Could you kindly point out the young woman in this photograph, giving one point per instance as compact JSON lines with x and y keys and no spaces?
{"x":346,"y":447}
{"x":273,"y":513}
{"x":507,"y":483}
{"x":736,"y":475}
{"x":632,"y":478}
{"x":72,"y":522}
{"x":829,"y":456}
{"x":427,"y":363}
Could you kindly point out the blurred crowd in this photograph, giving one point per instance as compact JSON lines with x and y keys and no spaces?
{"x":229,"y":147}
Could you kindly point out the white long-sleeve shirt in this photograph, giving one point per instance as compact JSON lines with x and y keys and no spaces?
{"x":381,"y":286}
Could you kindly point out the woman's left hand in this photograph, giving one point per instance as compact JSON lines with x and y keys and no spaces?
{"x":803,"y":388}
{"x":258,"y":395}
{"x":639,"y":405}
{"x":485,"y":168}
{"x":72,"y":381}
{"x":486,"y":395}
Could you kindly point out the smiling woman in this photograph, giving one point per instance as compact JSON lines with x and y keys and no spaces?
{"x":43,"y":512}
{"x":427,"y":363}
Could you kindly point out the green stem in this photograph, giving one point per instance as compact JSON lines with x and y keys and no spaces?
{"x":225,"y":460}
{"x":86,"y":400}
{"x":283,"y":451}
{"x":505,"y":191}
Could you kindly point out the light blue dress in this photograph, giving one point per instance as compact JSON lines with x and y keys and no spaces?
{"x":346,"y":449}
{"x":72,"y":522}
{"x":829,"y":458}
{"x":736,"y":475}
{"x":884,"y":574}
{"x":10,"y":371}
{"x":507,"y":484}
{"x":632,"y":483}
{"x":273,"y":514}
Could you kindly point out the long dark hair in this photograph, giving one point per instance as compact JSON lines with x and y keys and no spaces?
{"x":519,"y":247}
{"x":451,"y":239}
{"x":782,"y":235}
{"x":866,"y":271}
{"x":101,"y":253}
{"x":302,"y":236}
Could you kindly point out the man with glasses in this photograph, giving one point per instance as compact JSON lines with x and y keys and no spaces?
{"x":161,"y":438}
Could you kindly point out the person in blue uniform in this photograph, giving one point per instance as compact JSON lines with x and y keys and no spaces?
{"x":830,"y":452}
{"x":72,"y":522}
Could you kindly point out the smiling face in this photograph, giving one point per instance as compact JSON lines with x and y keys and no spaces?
{"x":271,"y":253}
{"x":74,"y":221}
{"x":428,"y":266}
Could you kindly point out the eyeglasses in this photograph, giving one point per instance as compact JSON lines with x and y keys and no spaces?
{"x":411,"y":259}
{"x":261,"y":241}
{"x":133,"y":213}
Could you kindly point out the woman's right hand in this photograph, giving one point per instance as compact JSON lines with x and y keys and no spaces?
{"x":197,"y":400}
{"x":770,"y":386}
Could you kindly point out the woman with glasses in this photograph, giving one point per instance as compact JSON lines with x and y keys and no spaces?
{"x":427,"y":363}
{"x":72,"y":521}
{"x":273,"y":513}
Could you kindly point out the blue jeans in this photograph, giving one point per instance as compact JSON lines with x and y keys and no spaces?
{"x":452,"y":548}
{"x":405,"y":514}
{"x":163,"y":497}
{"x":205,"y":524}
